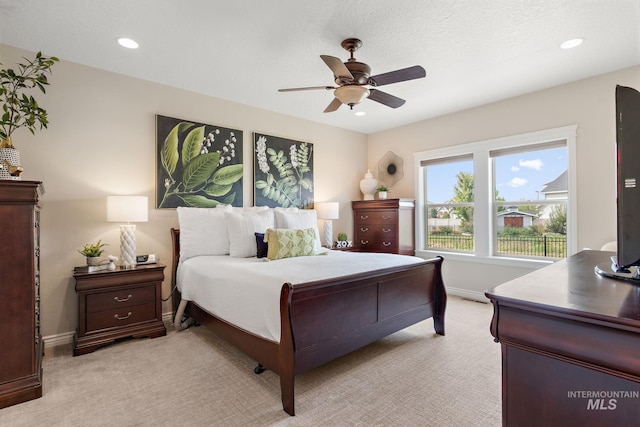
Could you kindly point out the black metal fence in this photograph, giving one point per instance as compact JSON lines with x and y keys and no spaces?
{"x":552,"y":246}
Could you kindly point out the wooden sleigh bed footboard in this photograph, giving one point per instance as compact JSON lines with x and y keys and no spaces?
{"x":321,"y":321}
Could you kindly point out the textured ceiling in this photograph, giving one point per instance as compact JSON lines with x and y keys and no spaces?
{"x":475,"y":52}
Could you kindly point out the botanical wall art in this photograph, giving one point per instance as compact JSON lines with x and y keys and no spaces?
{"x":283,"y":172}
{"x":198,"y":165}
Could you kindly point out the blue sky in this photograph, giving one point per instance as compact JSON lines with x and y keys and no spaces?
{"x":518,"y":176}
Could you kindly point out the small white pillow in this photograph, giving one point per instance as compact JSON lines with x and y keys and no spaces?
{"x":243,"y":208}
{"x":203,"y":231}
{"x":242,"y":226}
{"x":301,"y":219}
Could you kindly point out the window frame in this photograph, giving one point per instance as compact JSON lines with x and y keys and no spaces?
{"x":484,"y":205}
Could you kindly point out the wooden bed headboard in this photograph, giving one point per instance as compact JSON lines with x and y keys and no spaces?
{"x":175,"y":240}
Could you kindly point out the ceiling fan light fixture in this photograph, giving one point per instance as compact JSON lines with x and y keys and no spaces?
{"x":351,"y":94}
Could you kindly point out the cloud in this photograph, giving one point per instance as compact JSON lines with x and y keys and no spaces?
{"x":531,"y":164}
{"x":515,"y":168}
{"x":517,"y":182}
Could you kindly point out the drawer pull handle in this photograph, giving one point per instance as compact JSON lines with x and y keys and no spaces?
{"x":364,"y":242}
{"x":364,"y":229}
{"x":115,"y":316}
{"x":364,"y":216}
{"x":386,"y":230}
{"x":386,"y":243}
{"x":386,"y":217}
{"x":122,"y":300}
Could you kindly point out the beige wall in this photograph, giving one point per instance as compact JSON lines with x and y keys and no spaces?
{"x":589,"y":104}
{"x":101,"y":141}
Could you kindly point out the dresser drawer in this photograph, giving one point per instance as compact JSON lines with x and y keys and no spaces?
{"x":383,"y":216}
{"x":122,"y":298}
{"x":377,"y":245}
{"x":375,"y":231}
{"x":121,"y":317}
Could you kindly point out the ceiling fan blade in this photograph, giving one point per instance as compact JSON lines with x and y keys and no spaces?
{"x":335,"y":104}
{"x":293,"y":89}
{"x":415,"y":72}
{"x":385,"y":98}
{"x":338,"y":68}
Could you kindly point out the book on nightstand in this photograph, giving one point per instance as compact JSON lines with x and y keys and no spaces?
{"x":91,"y":268}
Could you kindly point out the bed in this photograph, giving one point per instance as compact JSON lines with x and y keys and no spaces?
{"x":321,"y":320}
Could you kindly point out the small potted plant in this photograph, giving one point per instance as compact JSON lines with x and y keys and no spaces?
{"x":342,"y":241}
{"x":382,"y":192}
{"x":92,"y":252}
{"x":20,"y":109}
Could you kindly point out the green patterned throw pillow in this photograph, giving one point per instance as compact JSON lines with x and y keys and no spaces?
{"x":287,"y":243}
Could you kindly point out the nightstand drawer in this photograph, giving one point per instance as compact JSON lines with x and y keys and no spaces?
{"x":120,"y":298}
{"x":121,"y":317}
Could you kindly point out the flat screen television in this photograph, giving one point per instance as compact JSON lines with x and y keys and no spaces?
{"x":625,"y":264}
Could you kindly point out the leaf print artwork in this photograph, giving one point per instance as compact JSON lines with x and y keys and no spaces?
{"x":283,"y":172}
{"x":199,"y":165}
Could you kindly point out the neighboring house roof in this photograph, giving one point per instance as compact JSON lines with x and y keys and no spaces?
{"x":558,"y":185}
{"x":514,"y":211}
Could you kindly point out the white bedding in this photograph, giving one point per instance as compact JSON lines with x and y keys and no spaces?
{"x":246,"y":291}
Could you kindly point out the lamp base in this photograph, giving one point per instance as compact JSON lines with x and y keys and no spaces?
{"x":128,"y":246}
{"x":328,"y":233}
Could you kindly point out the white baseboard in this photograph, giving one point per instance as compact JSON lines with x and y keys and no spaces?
{"x":66,"y":338}
{"x":465,"y":293}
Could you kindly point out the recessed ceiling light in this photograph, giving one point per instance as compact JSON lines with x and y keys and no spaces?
{"x":128,"y":43}
{"x":360,"y":113}
{"x":569,"y":44}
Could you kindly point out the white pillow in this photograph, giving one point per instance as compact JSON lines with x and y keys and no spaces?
{"x":243,"y":208}
{"x":203,"y":231}
{"x":301,"y":219}
{"x":242,"y":226}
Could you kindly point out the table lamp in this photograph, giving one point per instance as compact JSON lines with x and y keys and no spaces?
{"x":127,"y":209}
{"x":327,"y":211}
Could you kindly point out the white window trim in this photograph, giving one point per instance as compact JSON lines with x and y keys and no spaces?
{"x":482,"y":211}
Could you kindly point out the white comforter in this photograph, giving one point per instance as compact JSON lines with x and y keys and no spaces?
{"x":246,"y":291}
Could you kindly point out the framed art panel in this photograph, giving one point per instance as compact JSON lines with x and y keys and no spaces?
{"x":282,"y":172}
{"x":197,"y":164}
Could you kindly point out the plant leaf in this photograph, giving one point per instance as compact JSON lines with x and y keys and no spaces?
{"x":192,"y":145}
{"x":216,"y":190}
{"x":228,"y":174}
{"x":169,"y":153}
{"x":229,"y":199}
{"x":197,"y":201}
{"x":200,"y":169}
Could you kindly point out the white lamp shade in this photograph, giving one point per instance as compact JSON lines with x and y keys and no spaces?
{"x":127,"y":209}
{"x":328,"y":210}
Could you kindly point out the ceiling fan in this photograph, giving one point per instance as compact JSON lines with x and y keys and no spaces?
{"x":353,"y":76}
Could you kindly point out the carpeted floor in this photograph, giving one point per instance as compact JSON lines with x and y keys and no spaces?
{"x":192,"y":378}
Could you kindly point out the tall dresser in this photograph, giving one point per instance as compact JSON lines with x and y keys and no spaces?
{"x":384,"y":225}
{"x":20,"y":341}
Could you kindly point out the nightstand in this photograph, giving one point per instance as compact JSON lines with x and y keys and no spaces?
{"x":118,"y":304}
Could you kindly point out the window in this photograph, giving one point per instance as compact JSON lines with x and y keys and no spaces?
{"x":508,"y":198}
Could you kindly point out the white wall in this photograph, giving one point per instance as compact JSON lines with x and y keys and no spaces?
{"x":101,"y":141}
{"x":589,"y":104}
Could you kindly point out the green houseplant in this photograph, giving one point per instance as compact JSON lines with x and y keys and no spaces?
{"x":93,"y":251}
{"x":382,"y":191}
{"x":20,"y":109}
